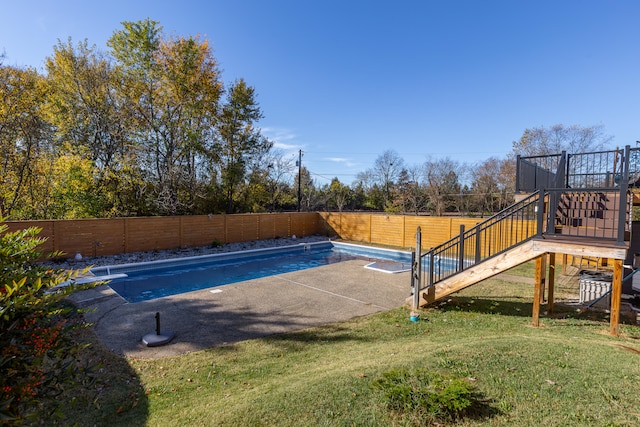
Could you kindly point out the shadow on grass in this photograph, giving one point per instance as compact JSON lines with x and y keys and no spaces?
{"x":505,"y":306}
{"x":510,"y":306}
{"x":329,"y":334}
{"x":299,"y":340}
{"x":107,"y":390}
{"x":481,"y":409}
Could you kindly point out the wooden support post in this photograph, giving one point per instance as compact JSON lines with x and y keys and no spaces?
{"x":552,"y":281}
{"x":616,"y":296}
{"x":537,"y":294}
{"x":543,"y":272}
{"x":565,"y":260}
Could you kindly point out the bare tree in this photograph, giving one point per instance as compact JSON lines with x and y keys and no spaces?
{"x":383,"y":176}
{"x":573,"y":139}
{"x":442,"y":184}
{"x":280,"y":171}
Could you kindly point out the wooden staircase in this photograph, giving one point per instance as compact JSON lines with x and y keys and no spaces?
{"x":513,"y":257}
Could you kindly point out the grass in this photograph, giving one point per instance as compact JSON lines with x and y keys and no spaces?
{"x":569,"y":371}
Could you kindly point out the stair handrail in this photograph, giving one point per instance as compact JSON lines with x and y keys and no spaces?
{"x":500,"y":232}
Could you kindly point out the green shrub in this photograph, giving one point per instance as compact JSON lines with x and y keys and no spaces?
{"x":423,"y":396}
{"x":36,"y":354}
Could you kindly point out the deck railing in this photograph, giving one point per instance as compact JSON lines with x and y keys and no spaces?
{"x":596,"y":214}
{"x":600,"y":169}
{"x":535,"y":172}
{"x":592,"y":170}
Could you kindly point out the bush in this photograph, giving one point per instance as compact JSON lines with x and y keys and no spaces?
{"x":36,"y":352}
{"x":423,"y":396}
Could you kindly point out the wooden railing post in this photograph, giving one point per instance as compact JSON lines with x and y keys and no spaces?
{"x":616,"y":296}
{"x":551,"y":281}
{"x":537,"y":289}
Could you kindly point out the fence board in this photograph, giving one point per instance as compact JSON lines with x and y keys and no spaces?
{"x":356,"y":227}
{"x":202,"y":230}
{"x":242,"y":228}
{"x":273,"y":226}
{"x":434,"y":231}
{"x":152,"y":234}
{"x":331,"y":223}
{"x":387,"y":230}
{"x":304,"y":224}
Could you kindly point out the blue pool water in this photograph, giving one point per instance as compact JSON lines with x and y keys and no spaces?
{"x":158,"y":279}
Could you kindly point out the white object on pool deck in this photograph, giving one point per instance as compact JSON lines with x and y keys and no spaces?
{"x":391,"y":267}
{"x":91,"y":278}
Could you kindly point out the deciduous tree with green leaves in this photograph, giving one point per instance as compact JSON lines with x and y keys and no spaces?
{"x":92,"y":134}
{"x":26,"y":153}
{"x":171,"y":88}
{"x":240,"y":141}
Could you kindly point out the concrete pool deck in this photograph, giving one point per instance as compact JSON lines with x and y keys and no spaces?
{"x":245,"y":310}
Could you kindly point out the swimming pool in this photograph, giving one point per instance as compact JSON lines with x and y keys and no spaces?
{"x":156,"y":279}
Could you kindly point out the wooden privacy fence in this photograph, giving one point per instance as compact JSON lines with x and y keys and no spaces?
{"x":95,"y":237}
{"x":394,"y":230}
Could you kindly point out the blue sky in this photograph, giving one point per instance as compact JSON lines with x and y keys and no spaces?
{"x":346,"y":80}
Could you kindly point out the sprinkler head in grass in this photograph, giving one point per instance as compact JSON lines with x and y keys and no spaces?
{"x":159,"y":337}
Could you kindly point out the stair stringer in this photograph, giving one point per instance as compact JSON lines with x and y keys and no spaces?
{"x":513,"y":257}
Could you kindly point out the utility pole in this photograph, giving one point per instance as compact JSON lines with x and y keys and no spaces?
{"x":299,"y":164}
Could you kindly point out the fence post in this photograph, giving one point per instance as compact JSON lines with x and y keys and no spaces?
{"x":417,"y":270}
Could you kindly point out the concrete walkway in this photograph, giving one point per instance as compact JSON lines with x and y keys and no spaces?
{"x":245,"y":310}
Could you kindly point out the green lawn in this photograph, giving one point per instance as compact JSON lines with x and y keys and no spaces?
{"x":567,"y":372}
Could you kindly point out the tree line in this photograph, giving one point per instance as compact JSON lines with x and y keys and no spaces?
{"x":148,"y":127}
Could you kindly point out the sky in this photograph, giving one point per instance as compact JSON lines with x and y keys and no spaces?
{"x":346,"y":80}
